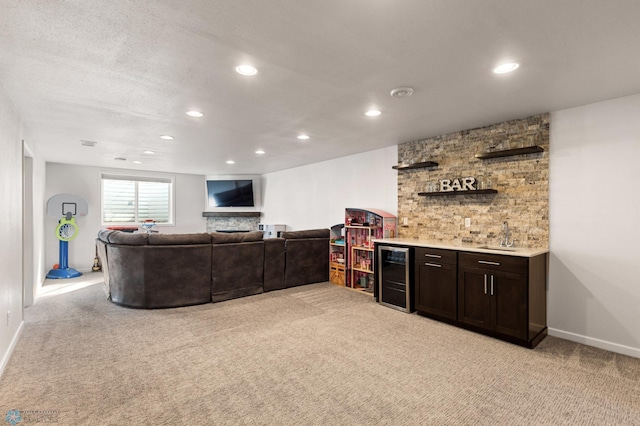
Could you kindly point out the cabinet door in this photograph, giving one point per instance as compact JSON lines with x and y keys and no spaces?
{"x":474,"y":302}
{"x":509,"y":300}
{"x":436,"y":291}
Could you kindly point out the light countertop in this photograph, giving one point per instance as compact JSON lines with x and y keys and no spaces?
{"x":470,"y":247}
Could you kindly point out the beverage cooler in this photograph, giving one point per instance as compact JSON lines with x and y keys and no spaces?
{"x":394,"y":277}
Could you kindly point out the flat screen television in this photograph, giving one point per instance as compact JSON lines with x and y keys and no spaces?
{"x":230,"y":193}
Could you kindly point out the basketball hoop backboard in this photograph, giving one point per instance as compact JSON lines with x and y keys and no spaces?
{"x":61,"y":204}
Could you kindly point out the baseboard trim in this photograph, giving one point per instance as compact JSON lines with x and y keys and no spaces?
{"x":12,"y":345}
{"x":598,"y":343}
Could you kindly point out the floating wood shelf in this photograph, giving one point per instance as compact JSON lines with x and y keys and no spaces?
{"x":422,"y":165}
{"x":441,"y":194}
{"x":510,"y":152}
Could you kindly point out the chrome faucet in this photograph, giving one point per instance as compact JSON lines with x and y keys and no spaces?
{"x":506,"y":240}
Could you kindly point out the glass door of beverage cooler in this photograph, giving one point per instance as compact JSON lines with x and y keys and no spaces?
{"x":393,"y":277}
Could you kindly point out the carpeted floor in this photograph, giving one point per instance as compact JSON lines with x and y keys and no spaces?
{"x":312,"y":355}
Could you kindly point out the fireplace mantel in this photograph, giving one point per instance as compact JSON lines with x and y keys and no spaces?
{"x":231,"y":214}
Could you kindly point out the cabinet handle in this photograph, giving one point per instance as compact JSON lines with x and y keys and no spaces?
{"x":486,"y":262}
{"x":433,"y":255}
{"x":433,"y":264}
{"x":492,"y":285}
{"x":485,"y":283}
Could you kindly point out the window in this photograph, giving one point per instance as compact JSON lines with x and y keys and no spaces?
{"x":134,"y":199}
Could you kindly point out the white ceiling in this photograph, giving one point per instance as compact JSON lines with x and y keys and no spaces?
{"x":122,"y":73}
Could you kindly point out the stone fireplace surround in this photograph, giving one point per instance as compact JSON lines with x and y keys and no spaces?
{"x":232,"y":221}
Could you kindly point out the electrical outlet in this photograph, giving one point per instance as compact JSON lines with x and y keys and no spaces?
{"x":467,"y":222}
{"x":405,"y":221}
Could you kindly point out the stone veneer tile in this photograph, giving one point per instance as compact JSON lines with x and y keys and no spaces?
{"x":232,"y":223}
{"x":522,"y":183}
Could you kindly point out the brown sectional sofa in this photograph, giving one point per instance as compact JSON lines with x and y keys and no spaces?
{"x":170,"y":270}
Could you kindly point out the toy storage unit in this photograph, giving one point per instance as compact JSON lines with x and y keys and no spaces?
{"x":337,"y":257}
{"x":362,"y":226}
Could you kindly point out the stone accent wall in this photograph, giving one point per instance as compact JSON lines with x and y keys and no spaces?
{"x":522,"y":183}
{"x":234,"y":223}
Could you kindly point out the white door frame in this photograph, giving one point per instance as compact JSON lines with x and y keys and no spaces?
{"x":28,"y":277}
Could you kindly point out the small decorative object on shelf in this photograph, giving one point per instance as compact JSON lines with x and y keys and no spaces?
{"x":362,"y":227}
{"x":510,"y":152}
{"x":453,"y":193}
{"x":459,"y":186}
{"x":422,"y":165}
{"x":148,"y":226}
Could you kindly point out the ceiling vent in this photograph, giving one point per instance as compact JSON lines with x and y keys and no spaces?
{"x":88,"y":143}
{"x":402,"y":92}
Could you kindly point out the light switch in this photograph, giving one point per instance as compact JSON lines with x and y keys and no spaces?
{"x":405,"y":221}
{"x":467,"y":222}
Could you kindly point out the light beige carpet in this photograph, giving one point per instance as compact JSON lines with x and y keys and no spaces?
{"x":312,"y":355}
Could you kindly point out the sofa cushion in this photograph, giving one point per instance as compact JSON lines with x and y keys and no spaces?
{"x":235,"y":237}
{"x":128,"y":238}
{"x":101,"y":248}
{"x":311,"y":233}
{"x":179,"y":239}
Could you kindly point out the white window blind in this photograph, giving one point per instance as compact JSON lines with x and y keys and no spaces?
{"x":131,"y":200}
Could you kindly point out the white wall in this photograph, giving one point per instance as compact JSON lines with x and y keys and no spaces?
{"x":11,"y":296}
{"x":85,"y":182}
{"x":315,"y":196}
{"x":594,"y":202}
{"x":33,"y":241}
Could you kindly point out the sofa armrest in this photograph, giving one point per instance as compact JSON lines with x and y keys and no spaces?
{"x":101,"y":248}
{"x":306,"y":261}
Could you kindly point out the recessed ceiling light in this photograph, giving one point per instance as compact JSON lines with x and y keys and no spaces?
{"x":303,"y":137}
{"x":245,"y":69}
{"x":259,"y":152}
{"x":373,"y":113}
{"x":194,"y":113}
{"x":166,"y":137}
{"x":506,"y":67}
{"x":120,"y":159}
{"x":148,"y":151}
{"x":231,"y":162}
{"x":402,"y":92}
{"x":137,"y":162}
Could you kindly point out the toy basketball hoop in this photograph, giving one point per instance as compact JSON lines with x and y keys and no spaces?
{"x":66,"y":206}
{"x":67,"y":229}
